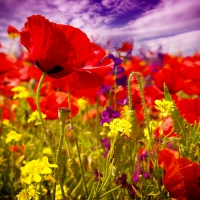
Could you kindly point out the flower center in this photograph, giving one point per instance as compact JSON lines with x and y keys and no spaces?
{"x":54,"y":70}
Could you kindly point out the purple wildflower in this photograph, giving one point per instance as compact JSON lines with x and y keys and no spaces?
{"x":104,"y":89}
{"x":146,"y":175}
{"x":139,"y":171}
{"x":122,"y":81}
{"x":123,"y":102}
{"x":117,"y":61}
{"x":106,"y":144}
{"x":131,"y":190}
{"x":109,"y":114}
{"x":97,"y":175}
{"x":120,"y":70}
{"x":143,"y":156}
{"x":122,"y":181}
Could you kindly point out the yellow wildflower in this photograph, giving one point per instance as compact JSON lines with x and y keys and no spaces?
{"x":33,"y":170}
{"x":165,"y":107}
{"x":82,"y":103}
{"x":21,"y":92}
{"x":152,"y":125}
{"x":23,"y":195}
{"x":13,"y":135}
{"x":59,"y":193}
{"x":6,"y":122}
{"x":49,"y":178}
{"x":117,"y":126}
{"x":34,"y":116}
{"x":47,"y":151}
{"x":28,"y":194}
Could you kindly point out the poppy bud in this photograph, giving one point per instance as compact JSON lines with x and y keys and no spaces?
{"x":63,"y":114}
{"x":131,"y":117}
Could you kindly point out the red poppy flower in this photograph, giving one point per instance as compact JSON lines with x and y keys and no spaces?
{"x":126,"y":47}
{"x":189,"y":109}
{"x":135,"y":64}
{"x":7,"y":113}
{"x":12,"y":32}
{"x":5,"y":63}
{"x":59,"y":99}
{"x":76,"y":80}
{"x":169,"y":74}
{"x":182,"y":176}
{"x":170,"y":77}
{"x":9,"y":76}
{"x":59,"y":50}
{"x":152,"y":93}
{"x":12,"y":29}
{"x":192,"y":87}
{"x":190,"y":68}
{"x":167,"y":128}
{"x":17,"y":149}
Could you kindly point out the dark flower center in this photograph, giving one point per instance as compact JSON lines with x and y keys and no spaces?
{"x":54,"y":70}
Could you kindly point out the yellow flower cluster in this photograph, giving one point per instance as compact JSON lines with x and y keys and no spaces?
{"x":28,"y":194}
{"x":82,"y":103}
{"x":34,"y":117}
{"x":152,"y":125}
{"x":117,"y":126}
{"x":59,"y":193}
{"x":13,"y":135}
{"x":6,"y":122}
{"x":165,"y":107}
{"x":33,"y":170}
{"x":21,"y":92}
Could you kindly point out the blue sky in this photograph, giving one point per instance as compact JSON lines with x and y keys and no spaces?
{"x":173,"y":24}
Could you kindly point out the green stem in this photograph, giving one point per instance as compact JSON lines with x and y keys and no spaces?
{"x":62,"y":189}
{"x":97,"y":122}
{"x":130,"y":101}
{"x":115,"y":89}
{"x":82,"y":171}
{"x":57,"y":158}
{"x":70,"y":106}
{"x":109,"y":191}
{"x":40,"y":114}
{"x":68,"y":148}
{"x":142,"y":96}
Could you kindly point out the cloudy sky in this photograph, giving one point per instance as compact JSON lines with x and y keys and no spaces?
{"x":173,"y":24}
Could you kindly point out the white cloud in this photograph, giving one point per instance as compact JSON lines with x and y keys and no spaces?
{"x":169,"y":22}
{"x":187,"y":43}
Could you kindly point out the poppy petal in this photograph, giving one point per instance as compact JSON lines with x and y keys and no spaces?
{"x":48,"y":45}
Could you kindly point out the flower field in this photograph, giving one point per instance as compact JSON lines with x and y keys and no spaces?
{"x":79,"y":121}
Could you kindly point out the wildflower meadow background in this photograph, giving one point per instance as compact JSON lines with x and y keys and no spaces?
{"x":81,"y":120}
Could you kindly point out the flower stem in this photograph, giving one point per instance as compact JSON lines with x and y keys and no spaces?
{"x":79,"y":156}
{"x":82,"y":171}
{"x":40,"y":114}
{"x":97,"y":122}
{"x":57,"y":159}
{"x":130,"y":106}
{"x":142,"y":96}
{"x":115,"y":89}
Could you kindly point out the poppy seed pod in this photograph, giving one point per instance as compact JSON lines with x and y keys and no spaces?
{"x":131,"y":116}
{"x":63,"y":113}
{"x":132,"y":119}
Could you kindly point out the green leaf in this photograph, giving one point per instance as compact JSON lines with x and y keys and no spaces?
{"x":179,"y":122}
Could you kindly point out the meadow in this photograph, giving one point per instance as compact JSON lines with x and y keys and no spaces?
{"x":79,"y":121}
